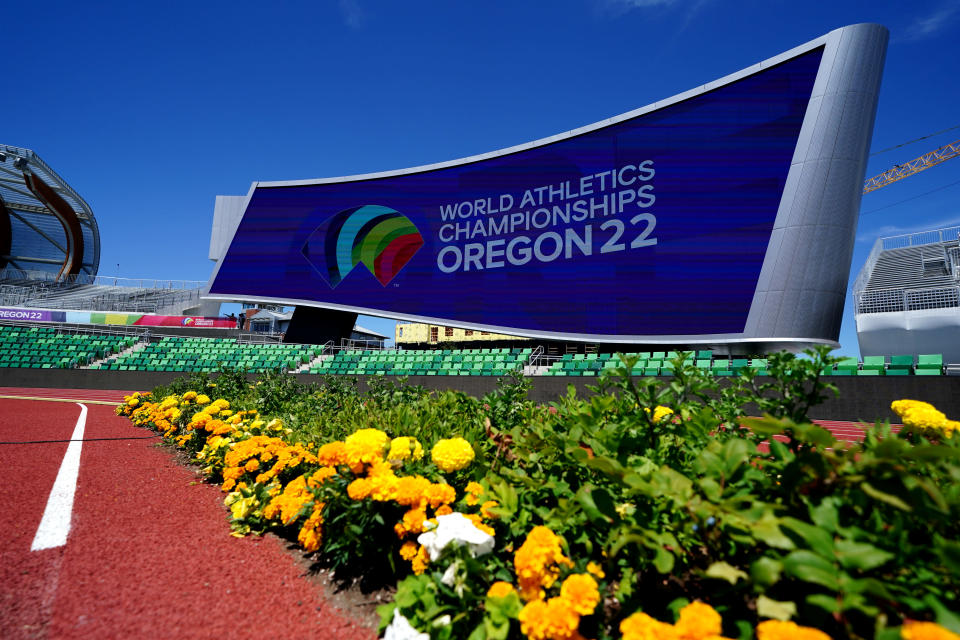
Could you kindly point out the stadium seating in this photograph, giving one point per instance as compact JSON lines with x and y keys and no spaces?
{"x":44,"y":348}
{"x":210,"y":354}
{"x":447,"y":362}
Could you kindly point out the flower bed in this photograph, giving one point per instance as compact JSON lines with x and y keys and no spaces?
{"x":643,"y":511}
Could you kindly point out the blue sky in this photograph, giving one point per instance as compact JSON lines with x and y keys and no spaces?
{"x":151,"y":110}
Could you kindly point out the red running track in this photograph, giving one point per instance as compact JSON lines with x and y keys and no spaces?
{"x":149,"y":551}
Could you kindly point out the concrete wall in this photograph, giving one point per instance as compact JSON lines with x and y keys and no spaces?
{"x":866,"y":398}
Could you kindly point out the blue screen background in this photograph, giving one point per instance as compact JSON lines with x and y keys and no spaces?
{"x":721,"y":161}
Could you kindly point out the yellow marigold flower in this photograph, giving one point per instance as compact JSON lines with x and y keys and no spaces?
{"x":332,"y":454}
{"x":420,"y":561}
{"x":226,"y":413}
{"x":408,"y":551}
{"x":552,"y":619}
{"x":581,"y":591}
{"x":787,"y":630}
{"x":203,"y":399}
{"x":659,"y":412}
{"x":912,"y":630}
{"x":452,"y":454}
{"x":500,"y":589}
{"x":365,"y":446}
{"x":132,"y":402}
{"x":405,"y":448}
{"x":188,"y":396}
{"x":698,"y":621}
{"x":640,"y":626}
{"x":595,"y":570}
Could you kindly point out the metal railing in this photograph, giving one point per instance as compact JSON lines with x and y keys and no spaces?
{"x":947,"y":234}
{"x":905,"y":299}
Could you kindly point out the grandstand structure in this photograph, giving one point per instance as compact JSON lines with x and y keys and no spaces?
{"x":50,"y":248}
{"x":907,"y":295}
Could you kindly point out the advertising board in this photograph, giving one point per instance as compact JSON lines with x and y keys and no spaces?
{"x":654,"y":225}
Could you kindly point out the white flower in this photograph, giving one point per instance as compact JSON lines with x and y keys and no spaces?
{"x":442,"y":621}
{"x":458,"y":529}
{"x":401,"y":629}
{"x":450,"y":575}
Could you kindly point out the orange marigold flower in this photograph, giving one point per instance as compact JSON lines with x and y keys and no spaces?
{"x":438,"y":494}
{"x":595,"y":570}
{"x":582,"y":592}
{"x":536,"y":562}
{"x":321,"y":475}
{"x":311,"y":534}
{"x":408,"y":551}
{"x":500,"y":589}
{"x":360,"y":488}
{"x":410,"y":491}
{"x":443,"y":510}
{"x":332,"y":454}
{"x":912,"y":630}
{"x":552,"y":619}
{"x":698,"y":621}
{"x":640,"y":626}
{"x":473,"y":492}
{"x":787,"y":630}
{"x":252,"y":465}
{"x":420,"y":561}
{"x":485,"y":509}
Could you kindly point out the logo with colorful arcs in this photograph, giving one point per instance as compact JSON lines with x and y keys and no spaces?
{"x":381,"y":238}
{"x":186,"y":322}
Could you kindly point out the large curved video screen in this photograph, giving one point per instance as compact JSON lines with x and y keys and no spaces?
{"x":656,"y":225}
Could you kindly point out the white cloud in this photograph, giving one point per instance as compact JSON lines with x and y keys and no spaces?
{"x":887,"y":230}
{"x":928,"y":26}
{"x":352,"y":13}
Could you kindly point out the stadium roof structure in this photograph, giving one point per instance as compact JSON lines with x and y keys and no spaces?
{"x":47,"y":230}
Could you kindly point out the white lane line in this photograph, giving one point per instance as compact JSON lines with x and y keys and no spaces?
{"x":55,"y":524}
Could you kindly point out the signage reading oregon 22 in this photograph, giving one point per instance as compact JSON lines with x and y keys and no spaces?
{"x":653,"y":226}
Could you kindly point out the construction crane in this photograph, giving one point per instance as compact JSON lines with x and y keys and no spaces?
{"x":901,"y":171}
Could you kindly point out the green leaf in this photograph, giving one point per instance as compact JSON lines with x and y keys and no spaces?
{"x":825,"y":515}
{"x":725,"y":571}
{"x":949,"y":552}
{"x":766,"y":529}
{"x":825,"y":602}
{"x":585,"y":498}
{"x":816,"y":538}
{"x":809,"y":567}
{"x":767,"y":608}
{"x":859,"y":555}
{"x":889,"y":498}
{"x":766,"y":571}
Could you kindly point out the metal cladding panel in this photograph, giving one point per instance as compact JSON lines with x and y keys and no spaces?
{"x":724,"y":214}
{"x":824,"y":199}
{"x":227,"y":213}
{"x":910,"y":333}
